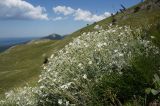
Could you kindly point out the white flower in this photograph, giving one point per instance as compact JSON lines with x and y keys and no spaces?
{"x":80,"y":65}
{"x":84,"y":33}
{"x":152,"y":37}
{"x":70,"y":43}
{"x":41,"y":87}
{"x":99,"y":45}
{"x":90,"y":62}
{"x":39,"y":80}
{"x":52,"y":56}
{"x":85,"y":76}
{"x":115,"y":51}
{"x":49,"y":70}
{"x":114,"y":30}
{"x":60,"y":101}
{"x":121,"y":54}
{"x":67,"y":103}
{"x":120,"y":73}
{"x":66,"y":86}
{"x":97,"y":27}
{"x":125,"y":44}
{"x":110,"y":24}
{"x":44,"y":67}
{"x":85,"y":44}
{"x":105,"y":44}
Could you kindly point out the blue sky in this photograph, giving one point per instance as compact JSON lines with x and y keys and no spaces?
{"x":35,"y":18}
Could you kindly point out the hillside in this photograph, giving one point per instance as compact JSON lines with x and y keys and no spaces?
{"x":22,"y":64}
{"x":6,"y":43}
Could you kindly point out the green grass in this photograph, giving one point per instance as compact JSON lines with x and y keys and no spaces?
{"x":22,"y":64}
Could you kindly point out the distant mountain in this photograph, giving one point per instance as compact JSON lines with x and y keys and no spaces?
{"x":53,"y":37}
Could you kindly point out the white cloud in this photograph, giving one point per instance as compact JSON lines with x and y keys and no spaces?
{"x":63,"y":10}
{"x":79,"y":14}
{"x":85,"y":15}
{"x":19,"y":9}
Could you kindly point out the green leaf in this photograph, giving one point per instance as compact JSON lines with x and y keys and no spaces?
{"x":154,"y":92}
{"x":156,"y":77}
{"x":148,"y":91}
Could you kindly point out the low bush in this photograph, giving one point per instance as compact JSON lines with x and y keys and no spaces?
{"x":100,"y":68}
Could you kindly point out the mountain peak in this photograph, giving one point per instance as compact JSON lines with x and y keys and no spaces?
{"x":53,"y":36}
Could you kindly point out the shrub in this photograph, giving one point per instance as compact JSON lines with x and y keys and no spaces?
{"x":136,"y":9}
{"x":97,"y":69}
{"x":26,"y":96}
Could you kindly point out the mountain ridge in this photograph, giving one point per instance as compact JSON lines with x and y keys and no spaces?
{"x":53,"y":36}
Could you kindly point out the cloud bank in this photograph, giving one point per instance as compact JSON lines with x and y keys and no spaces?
{"x":80,"y":14}
{"x":64,"y":10}
{"x":19,"y":9}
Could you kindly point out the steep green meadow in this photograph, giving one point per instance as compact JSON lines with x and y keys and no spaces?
{"x":22,"y":64}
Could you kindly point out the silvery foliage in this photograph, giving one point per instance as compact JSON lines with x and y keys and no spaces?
{"x":21,"y":97}
{"x":98,"y":27}
{"x":72,"y":71}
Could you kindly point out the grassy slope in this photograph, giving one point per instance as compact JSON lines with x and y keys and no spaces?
{"x":22,"y":64}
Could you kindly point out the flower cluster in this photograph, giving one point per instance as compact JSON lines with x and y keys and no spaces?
{"x":74,"y":70}
{"x":97,"y":27}
{"x":21,"y":97}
